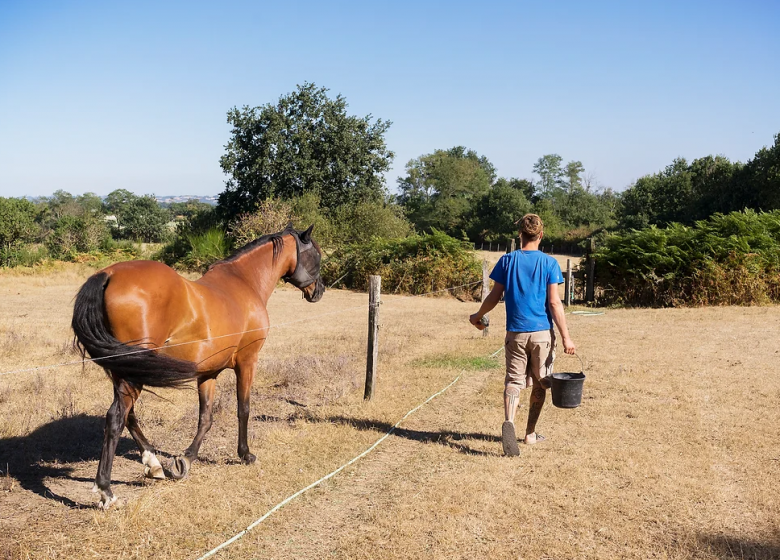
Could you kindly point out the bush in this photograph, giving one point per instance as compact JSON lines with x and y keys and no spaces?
{"x":724,"y":260}
{"x":17,"y":228}
{"x":23,"y":255}
{"x":367,"y":220}
{"x":416,"y":264}
{"x":72,"y":235}
{"x":270,"y":216}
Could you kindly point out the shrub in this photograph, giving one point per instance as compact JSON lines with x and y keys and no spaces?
{"x":726,"y":259}
{"x":367,"y":220}
{"x":17,"y":228}
{"x":416,"y":264}
{"x":270,"y":216}
{"x":77,"y":234}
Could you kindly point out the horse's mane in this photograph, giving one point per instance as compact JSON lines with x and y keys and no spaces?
{"x":275,"y":238}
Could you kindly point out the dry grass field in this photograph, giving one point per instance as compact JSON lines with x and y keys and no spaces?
{"x":672,"y":455}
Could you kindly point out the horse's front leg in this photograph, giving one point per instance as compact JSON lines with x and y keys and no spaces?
{"x":245,"y":374}
{"x":181,"y":465}
{"x":116,"y":418}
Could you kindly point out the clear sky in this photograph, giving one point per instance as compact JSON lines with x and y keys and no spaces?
{"x":96,"y":96}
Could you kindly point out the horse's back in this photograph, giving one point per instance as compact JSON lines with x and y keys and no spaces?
{"x":142,"y":298}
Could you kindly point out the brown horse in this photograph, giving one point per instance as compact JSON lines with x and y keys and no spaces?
{"x":148,"y":326}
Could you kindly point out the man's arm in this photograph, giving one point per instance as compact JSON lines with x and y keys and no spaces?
{"x":559,"y":317}
{"x":490,"y":302}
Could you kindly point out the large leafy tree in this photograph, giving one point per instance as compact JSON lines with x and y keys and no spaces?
{"x":573,"y":172}
{"x":439,"y":189}
{"x":138,"y":217}
{"x":494,"y":216}
{"x":549,"y":170}
{"x":304,"y":143}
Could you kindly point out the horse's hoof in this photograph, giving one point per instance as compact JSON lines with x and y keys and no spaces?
{"x":152,"y":467}
{"x":179,"y":467}
{"x":248,"y":459}
{"x":106,"y":500}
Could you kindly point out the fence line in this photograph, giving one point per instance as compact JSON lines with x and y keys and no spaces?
{"x":327,"y":476}
{"x":143,"y":350}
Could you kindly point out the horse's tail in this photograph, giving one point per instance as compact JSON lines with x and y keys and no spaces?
{"x":134,"y":364}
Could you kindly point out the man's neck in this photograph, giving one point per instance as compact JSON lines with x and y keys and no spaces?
{"x":531,"y":245}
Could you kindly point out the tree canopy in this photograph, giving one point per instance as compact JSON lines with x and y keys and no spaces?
{"x":304,"y":143}
{"x":439,"y":189}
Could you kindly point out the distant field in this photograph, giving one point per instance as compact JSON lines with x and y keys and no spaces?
{"x":672,"y":455}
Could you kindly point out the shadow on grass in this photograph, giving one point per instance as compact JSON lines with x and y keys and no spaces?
{"x":50,"y":451}
{"x":729,"y":547}
{"x":456,"y":440}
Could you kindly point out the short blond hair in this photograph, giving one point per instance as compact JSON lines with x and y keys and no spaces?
{"x":531,"y":227}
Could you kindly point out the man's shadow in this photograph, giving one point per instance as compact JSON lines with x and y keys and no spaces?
{"x":50,"y":451}
{"x":734,"y":547}
{"x":456,"y":440}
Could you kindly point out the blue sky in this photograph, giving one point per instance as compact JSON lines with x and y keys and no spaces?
{"x":96,"y":96}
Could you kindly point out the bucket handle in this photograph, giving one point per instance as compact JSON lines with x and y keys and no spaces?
{"x":582,"y":363}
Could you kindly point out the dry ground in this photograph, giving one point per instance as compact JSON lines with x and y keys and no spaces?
{"x":672,"y":455}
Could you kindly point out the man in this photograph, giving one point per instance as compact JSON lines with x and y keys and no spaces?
{"x":529,"y":281}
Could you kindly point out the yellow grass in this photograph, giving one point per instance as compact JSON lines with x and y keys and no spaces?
{"x":672,"y":455}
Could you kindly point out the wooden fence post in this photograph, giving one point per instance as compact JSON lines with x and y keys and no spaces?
{"x":512,"y":245}
{"x":485,"y":292}
{"x":567,"y":285}
{"x":372,"y":354}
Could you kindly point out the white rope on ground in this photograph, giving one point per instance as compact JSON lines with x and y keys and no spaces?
{"x":143,"y":350}
{"x":327,"y":476}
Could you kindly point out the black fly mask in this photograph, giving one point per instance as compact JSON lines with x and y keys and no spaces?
{"x":307,"y":269}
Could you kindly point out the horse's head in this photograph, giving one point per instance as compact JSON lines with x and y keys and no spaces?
{"x":306,"y":276}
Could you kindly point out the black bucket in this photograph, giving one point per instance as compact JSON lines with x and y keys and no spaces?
{"x":567,"y":389}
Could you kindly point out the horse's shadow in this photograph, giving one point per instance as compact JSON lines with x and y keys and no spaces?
{"x":453,"y":439}
{"x":51,"y":450}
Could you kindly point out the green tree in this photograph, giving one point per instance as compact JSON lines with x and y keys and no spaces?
{"x":759,"y":181}
{"x":143,"y":219}
{"x":118,"y":199}
{"x":572,"y":172}
{"x":439,"y":189}
{"x":549,"y":170}
{"x":523,"y":185}
{"x":306,"y":142}
{"x":17,"y":227}
{"x":494,"y":215}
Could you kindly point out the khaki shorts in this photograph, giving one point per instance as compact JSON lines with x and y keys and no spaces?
{"x":529,"y":356}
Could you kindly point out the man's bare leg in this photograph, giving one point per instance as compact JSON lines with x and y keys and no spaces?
{"x":511,"y":400}
{"x":508,"y":437}
{"x":538,"y":394}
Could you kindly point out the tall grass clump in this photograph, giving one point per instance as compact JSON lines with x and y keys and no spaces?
{"x":417,"y":264}
{"x":731,"y":259}
{"x":205,"y":248}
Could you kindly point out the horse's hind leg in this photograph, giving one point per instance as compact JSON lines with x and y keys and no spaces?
{"x":181,"y":465}
{"x":152,"y":466}
{"x":116,"y":418}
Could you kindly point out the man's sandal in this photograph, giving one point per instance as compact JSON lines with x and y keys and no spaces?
{"x":539,"y":438}
{"x":509,"y":439}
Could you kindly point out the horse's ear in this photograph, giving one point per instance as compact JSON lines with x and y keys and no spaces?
{"x":289,"y":226}
{"x":306,"y":235}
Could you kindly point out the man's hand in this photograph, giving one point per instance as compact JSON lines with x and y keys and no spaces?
{"x":568,"y":345}
{"x":476,"y":320}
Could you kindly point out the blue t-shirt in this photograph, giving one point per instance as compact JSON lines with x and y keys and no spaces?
{"x":525,"y":276}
